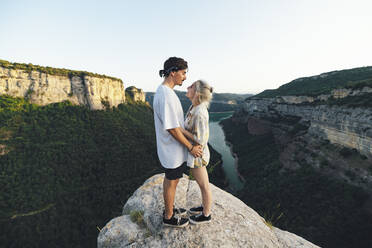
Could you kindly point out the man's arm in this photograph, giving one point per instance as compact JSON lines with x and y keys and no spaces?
{"x":189,"y":136}
{"x":196,"y":150}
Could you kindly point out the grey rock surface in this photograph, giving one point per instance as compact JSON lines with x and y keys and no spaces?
{"x":233,"y":224}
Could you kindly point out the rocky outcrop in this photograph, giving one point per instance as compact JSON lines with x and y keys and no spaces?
{"x":42,"y":88}
{"x":234,"y":224}
{"x":336,"y":94}
{"x":349,"y":127}
{"x":341,"y":93}
{"x":137,"y":95}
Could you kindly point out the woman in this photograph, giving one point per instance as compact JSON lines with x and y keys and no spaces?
{"x":197,"y":130}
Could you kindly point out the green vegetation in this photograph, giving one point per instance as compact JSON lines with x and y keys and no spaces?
{"x":355,"y":79}
{"x":324,"y":163}
{"x":67,"y":170}
{"x":326,"y":212}
{"x":358,"y":101}
{"x":50,"y":70}
{"x":137,"y":217}
{"x":347,"y":152}
{"x":351,"y":174}
{"x":359,"y":84}
{"x":298,"y":127}
{"x":323,"y":84}
{"x":361,"y":101}
{"x":271,"y":219}
{"x":129,"y":98}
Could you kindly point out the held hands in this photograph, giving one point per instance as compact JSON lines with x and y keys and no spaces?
{"x":196,"y":151}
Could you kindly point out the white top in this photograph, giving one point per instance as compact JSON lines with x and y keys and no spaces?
{"x":168,"y":114}
{"x":196,"y":122}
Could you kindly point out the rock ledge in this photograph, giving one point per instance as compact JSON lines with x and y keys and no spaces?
{"x":234,"y":224}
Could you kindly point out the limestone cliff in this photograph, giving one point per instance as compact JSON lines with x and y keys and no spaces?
{"x":234,"y":224}
{"x":328,"y":138}
{"x":137,"y":95}
{"x":43,"y":88}
{"x":350,"y":127}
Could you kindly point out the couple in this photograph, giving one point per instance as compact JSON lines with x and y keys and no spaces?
{"x":182,"y":144}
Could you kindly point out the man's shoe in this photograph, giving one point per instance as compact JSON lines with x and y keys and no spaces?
{"x":175,"y":221}
{"x":196,"y":210}
{"x":200,"y":219}
{"x":179,"y":211}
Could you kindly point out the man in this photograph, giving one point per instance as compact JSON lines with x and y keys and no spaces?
{"x":170,"y":141}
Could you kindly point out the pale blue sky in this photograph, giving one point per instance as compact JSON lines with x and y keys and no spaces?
{"x":238,"y":46}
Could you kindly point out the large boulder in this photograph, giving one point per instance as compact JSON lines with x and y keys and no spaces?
{"x":234,"y":224}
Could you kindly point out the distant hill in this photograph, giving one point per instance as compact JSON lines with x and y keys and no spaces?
{"x":323,"y":83}
{"x":221,"y":102}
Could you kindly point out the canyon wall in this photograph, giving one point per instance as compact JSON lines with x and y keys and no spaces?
{"x":349,"y":127}
{"x":43,"y":88}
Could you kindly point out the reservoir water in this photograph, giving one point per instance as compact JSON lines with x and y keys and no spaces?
{"x":217,"y":140}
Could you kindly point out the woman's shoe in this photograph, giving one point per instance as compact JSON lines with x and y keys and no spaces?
{"x":200,"y":219}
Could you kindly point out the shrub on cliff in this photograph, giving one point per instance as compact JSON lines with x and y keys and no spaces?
{"x":359,"y":84}
{"x":361,"y":101}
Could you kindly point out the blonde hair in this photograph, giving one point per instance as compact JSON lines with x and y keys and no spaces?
{"x":204,"y":92}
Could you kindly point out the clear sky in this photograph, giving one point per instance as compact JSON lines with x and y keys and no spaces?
{"x":240,"y":46}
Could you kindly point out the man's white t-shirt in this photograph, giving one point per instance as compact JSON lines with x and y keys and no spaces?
{"x":168,"y":114}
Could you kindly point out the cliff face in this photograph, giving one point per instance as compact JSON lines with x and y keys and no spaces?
{"x":42,"y":88}
{"x":137,"y":95}
{"x":234,"y":224}
{"x":328,"y":138}
{"x":336,"y":94}
{"x":349,"y":127}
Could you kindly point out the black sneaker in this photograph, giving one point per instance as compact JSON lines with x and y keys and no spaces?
{"x":175,"y":221}
{"x":179,"y":211}
{"x":200,"y":218}
{"x":196,"y":210}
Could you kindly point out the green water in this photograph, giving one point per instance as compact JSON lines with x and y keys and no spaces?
{"x":217,"y":140}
